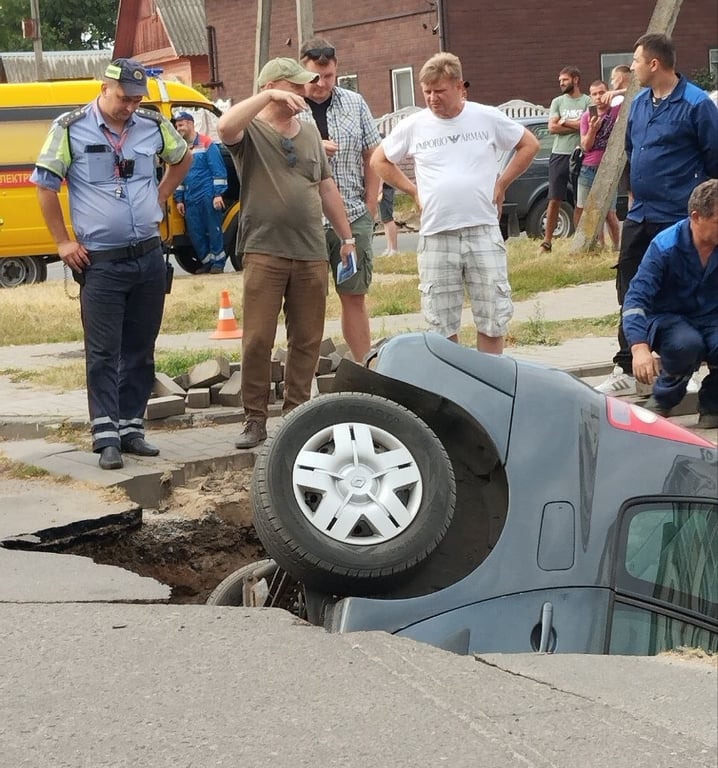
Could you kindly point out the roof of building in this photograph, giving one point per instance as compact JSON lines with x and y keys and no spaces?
{"x":57,"y":65}
{"x":186,"y":25}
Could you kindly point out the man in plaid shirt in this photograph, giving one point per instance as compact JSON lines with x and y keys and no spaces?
{"x":349,"y":136}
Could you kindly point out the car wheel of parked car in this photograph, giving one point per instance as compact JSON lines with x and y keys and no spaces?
{"x":536,"y":220}
{"x":248,"y":586}
{"x":352,"y":493}
{"x":230,"y":244}
{"x":14,"y":271}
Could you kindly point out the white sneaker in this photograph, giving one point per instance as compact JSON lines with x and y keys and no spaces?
{"x":618,"y":383}
{"x":389,"y":252}
{"x":693,"y":384}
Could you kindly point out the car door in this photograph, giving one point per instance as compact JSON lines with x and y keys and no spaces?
{"x":666,"y":577}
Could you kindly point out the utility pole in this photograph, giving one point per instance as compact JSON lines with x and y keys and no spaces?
{"x":34,"y":29}
{"x":305,"y":22}
{"x":264,"y":22}
{"x":605,"y":184}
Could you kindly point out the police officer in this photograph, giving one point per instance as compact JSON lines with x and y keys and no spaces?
{"x":107,"y":152}
{"x":199,"y":196}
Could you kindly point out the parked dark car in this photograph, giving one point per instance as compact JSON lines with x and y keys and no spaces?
{"x":480,"y":503}
{"x":527,"y":197}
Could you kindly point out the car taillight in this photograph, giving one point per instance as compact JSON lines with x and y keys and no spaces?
{"x":633,"y":418}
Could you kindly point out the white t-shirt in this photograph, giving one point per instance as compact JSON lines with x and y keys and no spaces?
{"x":456,"y":163}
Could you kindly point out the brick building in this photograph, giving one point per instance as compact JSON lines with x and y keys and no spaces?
{"x":512,"y":49}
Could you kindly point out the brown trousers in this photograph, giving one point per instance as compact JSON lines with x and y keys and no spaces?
{"x":273,"y":284}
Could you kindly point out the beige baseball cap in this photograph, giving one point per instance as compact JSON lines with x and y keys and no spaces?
{"x":285,"y":69}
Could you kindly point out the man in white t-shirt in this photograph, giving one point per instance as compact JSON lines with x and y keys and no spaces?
{"x":455,"y":145}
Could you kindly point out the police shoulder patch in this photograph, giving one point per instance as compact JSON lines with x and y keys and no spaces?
{"x":150,"y":114}
{"x":69,"y":118}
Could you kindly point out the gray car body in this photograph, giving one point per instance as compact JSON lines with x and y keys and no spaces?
{"x":544,"y":481}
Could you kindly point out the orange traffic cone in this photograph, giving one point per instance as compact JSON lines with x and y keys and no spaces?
{"x":227,"y":327}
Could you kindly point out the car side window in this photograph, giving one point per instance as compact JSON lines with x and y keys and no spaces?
{"x":667,"y":563}
{"x":545,"y":140}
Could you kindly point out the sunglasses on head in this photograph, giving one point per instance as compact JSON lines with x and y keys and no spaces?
{"x":289,"y":151}
{"x":319,"y":53}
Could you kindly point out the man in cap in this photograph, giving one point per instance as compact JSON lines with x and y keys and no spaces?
{"x":199,"y":196}
{"x":106,"y":152}
{"x":350,"y":137}
{"x":286,"y":185}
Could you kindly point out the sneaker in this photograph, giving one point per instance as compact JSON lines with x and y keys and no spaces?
{"x":216,"y":268}
{"x":708,"y":420}
{"x":390,"y":252}
{"x":254,"y":433}
{"x":618,"y":383}
{"x":693,"y":385}
{"x":654,"y":407}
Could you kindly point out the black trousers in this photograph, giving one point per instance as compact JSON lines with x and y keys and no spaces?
{"x":121,"y":304}
{"x":635,"y":239}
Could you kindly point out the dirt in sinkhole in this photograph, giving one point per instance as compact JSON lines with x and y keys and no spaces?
{"x":202,"y":532}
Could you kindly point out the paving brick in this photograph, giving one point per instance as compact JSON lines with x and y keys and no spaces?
{"x":277,"y":372}
{"x":280,"y":353}
{"x":336,"y":358}
{"x":164,"y":385}
{"x":231,"y":392}
{"x":198,"y":397}
{"x":162,"y":407}
{"x":214,"y":391}
{"x":327,"y":347}
{"x":234,"y":366}
{"x":182,"y":380}
{"x":209,"y":372}
{"x":324,"y":366}
{"x":325,"y":383}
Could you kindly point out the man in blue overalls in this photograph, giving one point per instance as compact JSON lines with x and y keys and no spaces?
{"x":199,"y":196}
{"x":107,"y":152}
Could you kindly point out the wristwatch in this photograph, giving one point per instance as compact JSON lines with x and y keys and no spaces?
{"x":348,"y":241}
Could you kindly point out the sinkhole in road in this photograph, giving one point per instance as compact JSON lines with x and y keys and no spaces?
{"x":200,"y":534}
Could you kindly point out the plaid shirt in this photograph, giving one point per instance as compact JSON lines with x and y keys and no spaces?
{"x":352,"y":127}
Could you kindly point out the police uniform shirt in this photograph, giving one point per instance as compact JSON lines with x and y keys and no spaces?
{"x":108,"y":211}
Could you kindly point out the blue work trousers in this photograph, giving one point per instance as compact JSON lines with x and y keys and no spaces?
{"x":121,"y":304}
{"x":204,"y":225}
{"x":683,"y":346}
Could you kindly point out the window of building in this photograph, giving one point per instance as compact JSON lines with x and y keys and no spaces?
{"x":402,"y":87}
{"x":609,"y":61}
{"x":350,"y":82}
{"x":713,"y":63}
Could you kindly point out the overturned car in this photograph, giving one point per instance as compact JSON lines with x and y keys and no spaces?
{"x":480,"y":503}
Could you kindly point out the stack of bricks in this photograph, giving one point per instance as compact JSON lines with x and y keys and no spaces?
{"x":217,"y":382}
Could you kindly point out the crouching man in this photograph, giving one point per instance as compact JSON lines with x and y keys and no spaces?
{"x":672,"y":308}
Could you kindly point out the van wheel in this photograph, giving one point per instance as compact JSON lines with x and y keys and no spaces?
{"x":13,"y":272}
{"x":186,"y":258}
{"x":36,"y":270}
{"x":230,"y":244}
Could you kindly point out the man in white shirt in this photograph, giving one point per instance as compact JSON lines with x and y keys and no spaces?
{"x":455,"y":145}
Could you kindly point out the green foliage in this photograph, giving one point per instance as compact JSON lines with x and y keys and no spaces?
{"x":704,"y":78}
{"x":176,"y":363}
{"x":72,"y":25}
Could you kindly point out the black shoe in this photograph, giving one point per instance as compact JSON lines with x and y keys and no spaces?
{"x":652,"y":405}
{"x":203,"y":269}
{"x":708,"y":420}
{"x":110,"y":458}
{"x":254,"y":432}
{"x":139,"y":446}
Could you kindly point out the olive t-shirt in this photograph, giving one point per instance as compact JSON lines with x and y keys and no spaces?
{"x":571,"y":109}
{"x":281,"y":213}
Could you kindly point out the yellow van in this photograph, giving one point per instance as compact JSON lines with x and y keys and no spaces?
{"x":26,"y":111}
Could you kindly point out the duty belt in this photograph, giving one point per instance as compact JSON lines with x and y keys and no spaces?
{"x":129,"y":252}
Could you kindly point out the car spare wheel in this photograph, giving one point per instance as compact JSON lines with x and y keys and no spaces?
{"x":352,"y":493}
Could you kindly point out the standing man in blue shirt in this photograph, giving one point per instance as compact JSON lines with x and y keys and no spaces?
{"x":350,"y":137}
{"x":672,"y":308}
{"x":199,"y":196}
{"x":671,"y":146}
{"x":106,"y":151}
